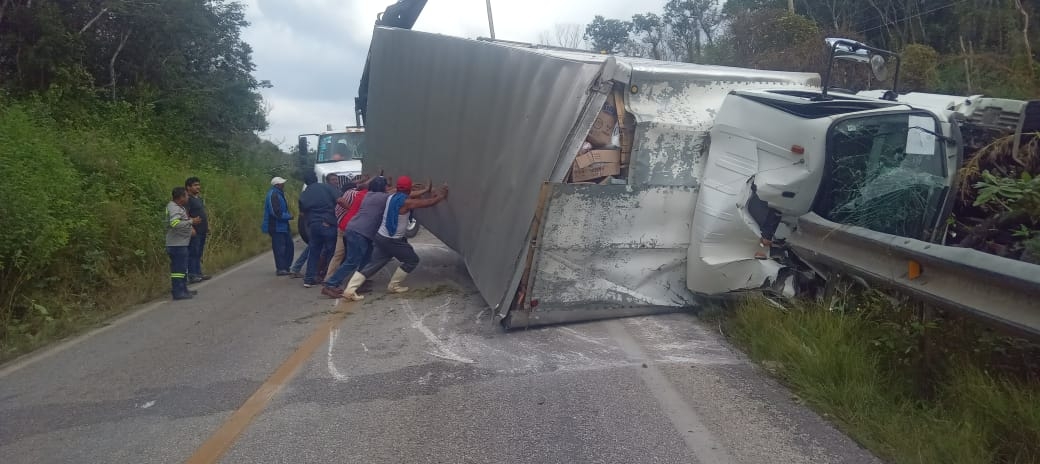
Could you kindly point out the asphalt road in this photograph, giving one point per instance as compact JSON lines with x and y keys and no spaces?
{"x":424,"y":377}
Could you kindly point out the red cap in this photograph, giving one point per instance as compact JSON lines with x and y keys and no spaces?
{"x":404,"y":183}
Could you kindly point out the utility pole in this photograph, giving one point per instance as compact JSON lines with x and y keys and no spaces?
{"x":491,"y":21}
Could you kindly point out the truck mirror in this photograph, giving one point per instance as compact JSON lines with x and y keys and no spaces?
{"x":302,"y":147}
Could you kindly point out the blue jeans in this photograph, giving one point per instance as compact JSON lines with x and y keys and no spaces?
{"x":298,"y":265}
{"x":322,"y":245}
{"x":358,"y":253}
{"x":178,"y":269}
{"x":282,"y":247}
{"x":195,"y":249}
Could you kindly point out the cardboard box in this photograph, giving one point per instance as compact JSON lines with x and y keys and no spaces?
{"x":628,"y":132}
{"x":603,"y":127}
{"x":585,"y":160}
{"x":595,"y":171}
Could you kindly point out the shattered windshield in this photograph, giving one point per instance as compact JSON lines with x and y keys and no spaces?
{"x":884,"y":173}
{"x":341,"y":147}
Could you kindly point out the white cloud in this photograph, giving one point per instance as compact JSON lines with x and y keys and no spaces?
{"x":313,"y":51}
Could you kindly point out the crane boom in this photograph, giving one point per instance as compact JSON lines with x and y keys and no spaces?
{"x":401,"y":15}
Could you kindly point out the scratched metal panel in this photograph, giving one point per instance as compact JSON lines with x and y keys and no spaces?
{"x":488,"y":119}
{"x":674,"y":116}
{"x":608,"y":248}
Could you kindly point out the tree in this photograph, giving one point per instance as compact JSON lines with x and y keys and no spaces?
{"x":732,"y":8}
{"x":650,"y":29}
{"x":185,"y":60}
{"x":692,"y":23}
{"x":918,"y":68}
{"x":990,"y":43}
{"x":607,"y":35}
{"x":567,"y":35}
{"x":775,"y":39}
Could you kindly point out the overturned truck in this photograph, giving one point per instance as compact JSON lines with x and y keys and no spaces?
{"x":588,"y":186}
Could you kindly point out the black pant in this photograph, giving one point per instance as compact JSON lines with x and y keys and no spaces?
{"x":195,"y":249}
{"x":282,"y":246}
{"x":178,"y":268}
{"x":387,"y":248}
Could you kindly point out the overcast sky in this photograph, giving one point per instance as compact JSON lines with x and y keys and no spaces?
{"x":313,"y":51}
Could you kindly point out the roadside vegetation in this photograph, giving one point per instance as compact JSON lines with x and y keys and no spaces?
{"x":105,"y":107}
{"x":917,"y":390}
{"x":913,"y":389}
{"x":965,"y":47}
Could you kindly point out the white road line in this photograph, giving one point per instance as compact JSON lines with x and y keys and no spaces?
{"x":336,"y":374}
{"x":45,"y":353}
{"x":698,"y":438}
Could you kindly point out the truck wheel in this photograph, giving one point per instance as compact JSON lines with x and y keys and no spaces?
{"x":412,"y":230}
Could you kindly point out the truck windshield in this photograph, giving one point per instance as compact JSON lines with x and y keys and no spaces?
{"x":885,"y":173}
{"x":341,"y":147}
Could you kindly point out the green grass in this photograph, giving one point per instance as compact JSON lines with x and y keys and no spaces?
{"x":83,"y":211}
{"x":843,"y":366}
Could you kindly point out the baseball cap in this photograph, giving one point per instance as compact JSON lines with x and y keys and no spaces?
{"x":404,"y":183}
{"x":277,"y":181}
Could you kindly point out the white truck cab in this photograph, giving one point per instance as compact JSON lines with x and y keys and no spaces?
{"x":339,"y":152}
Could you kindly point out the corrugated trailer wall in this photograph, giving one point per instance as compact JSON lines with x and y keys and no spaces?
{"x":488,"y":119}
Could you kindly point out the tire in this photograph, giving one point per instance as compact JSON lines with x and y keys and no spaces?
{"x":412,"y":230}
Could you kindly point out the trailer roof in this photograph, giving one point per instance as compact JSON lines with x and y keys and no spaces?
{"x":690,"y":71}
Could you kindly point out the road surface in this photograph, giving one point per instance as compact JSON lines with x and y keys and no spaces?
{"x":258,"y":369}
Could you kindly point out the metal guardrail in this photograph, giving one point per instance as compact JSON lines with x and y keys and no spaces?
{"x":1001,"y":290}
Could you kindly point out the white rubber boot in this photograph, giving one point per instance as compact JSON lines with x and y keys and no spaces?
{"x":395,"y":282}
{"x":355,"y":282}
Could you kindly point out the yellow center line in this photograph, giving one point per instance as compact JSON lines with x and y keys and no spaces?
{"x":224,"y":438}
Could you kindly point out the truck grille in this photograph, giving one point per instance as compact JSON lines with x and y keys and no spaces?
{"x":344,"y":178}
{"x":995,"y":117}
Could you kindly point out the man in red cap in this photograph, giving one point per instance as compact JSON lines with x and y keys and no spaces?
{"x":390,"y":241}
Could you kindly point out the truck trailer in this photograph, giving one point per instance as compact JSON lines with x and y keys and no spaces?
{"x":589,"y":186}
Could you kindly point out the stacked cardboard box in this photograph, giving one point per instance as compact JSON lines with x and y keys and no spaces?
{"x":604,"y":157}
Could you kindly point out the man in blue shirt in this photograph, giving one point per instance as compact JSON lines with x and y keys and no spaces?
{"x":196,"y":209}
{"x":276,"y":223}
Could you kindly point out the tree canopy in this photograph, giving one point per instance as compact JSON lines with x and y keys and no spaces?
{"x":184,"y":61}
{"x":961,"y":47}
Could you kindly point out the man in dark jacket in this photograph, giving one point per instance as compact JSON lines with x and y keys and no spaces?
{"x":318,"y":203}
{"x":276,"y":223}
{"x":358,"y":235}
{"x":196,"y":209}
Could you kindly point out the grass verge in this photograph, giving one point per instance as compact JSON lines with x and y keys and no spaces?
{"x":71,"y":318}
{"x":83,"y":212}
{"x":951,"y":403}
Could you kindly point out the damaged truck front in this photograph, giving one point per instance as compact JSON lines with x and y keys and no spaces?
{"x":587,"y":186}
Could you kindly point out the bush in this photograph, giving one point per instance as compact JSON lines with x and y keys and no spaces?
{"x":919,"y":68}
{"x":82,"y":209}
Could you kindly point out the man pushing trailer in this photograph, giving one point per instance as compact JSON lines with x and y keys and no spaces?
{"x":390,"y":241}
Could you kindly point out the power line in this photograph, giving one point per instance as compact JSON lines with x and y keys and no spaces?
{"x":892,"y":23}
